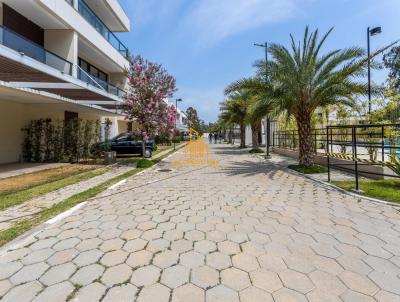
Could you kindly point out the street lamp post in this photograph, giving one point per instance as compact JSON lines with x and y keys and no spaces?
{"x":370,"y":32}
{"x":176,"y":115}
{"x":268,"y":124}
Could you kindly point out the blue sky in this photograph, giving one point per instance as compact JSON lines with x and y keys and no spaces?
{"x":207,"y":44}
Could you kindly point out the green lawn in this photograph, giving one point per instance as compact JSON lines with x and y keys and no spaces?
{"x":11,"y":199}
{"x":388,"y":189}
{"x":308,"y":169}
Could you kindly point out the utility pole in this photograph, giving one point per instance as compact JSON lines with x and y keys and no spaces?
{"x":268,"y":121}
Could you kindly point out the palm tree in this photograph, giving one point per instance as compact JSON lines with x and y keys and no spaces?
{"x":234,"y":110}
{"x":301,"y":80}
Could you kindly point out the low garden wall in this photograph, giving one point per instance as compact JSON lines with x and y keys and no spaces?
{"x":321,"y":159}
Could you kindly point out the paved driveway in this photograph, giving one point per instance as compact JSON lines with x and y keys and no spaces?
{"x":245,"y":231}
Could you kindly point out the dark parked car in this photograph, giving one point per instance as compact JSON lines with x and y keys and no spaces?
{"x":125,"y":143}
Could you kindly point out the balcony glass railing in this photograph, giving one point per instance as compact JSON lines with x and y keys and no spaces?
{"x":24,"y":46}
{"x":96,"y":82}
{"x":95,"y":21}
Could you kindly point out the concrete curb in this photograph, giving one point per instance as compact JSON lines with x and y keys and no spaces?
{"x":336,"y":188}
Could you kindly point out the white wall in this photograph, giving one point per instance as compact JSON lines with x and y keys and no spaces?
{"x":11,"y":136}
{"x":15,"y":116}
{"x":63,"y":42}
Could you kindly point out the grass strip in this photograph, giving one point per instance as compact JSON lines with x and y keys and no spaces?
{"x":25,"y":225}
{"x":308,"y":169}
{"x":387,"y":189}
{"x":29,"y":180}
{"x":16,"y":198}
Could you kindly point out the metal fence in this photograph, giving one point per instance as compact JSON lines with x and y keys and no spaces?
{"x":290,"y":139}
{"x":363,"y":145}
{"x":350,"y":147}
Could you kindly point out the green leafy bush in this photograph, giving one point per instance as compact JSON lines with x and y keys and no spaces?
{"x":144,"y":163}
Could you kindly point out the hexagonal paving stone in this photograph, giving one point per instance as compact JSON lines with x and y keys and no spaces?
{"x":8,"y":269}
{"x":43,"y":244}
{"x":62,"y":257}
{"x":254,"y":294}
{"x":114,"y":258}
{"x":140,"y":258}
{"x":88,"y":274}
{"x":218,"y":260}
{"x":235,"y":279}
{"x":320,"y":295}
{"x":165,"y":259}
{"x":66,"y":244}
{"x":58,"y":273}
{"x":191,"y":259}
{"x":29,"y":273}
{"x":299,"y":263}
{"x":116,"y":275}
{"x":204,"y":277}
{"x":188,"y":292}
{"x":181,"y":246}
{"x":112,"y":245}
{"x":266,"y":280}
{"x":37,"y":256}
{"x":272,"y":262}
{"x":154,"y":293}
{"x":194,"y":235}
{"x":146,"y":275}
{"x":175,"y":276}
{"x":205,"y":246}
{"x":23,"y":293}
{"x":221,"y":293}
{"x":57,"y":292}
{"x":5,"y":285}
{"x":125,"y":292}
{"x":88,"y":244}
{"x":135,"y":245}
{"x":228,"y":247}
{"x":245,"y":262}
{"x":352,"y":296}
{"x":296,"y":281}
{"x":358,"y":283}
{"x":91,"y":292}
{"x":88,"y":257}
{"x":327,"y":283}
{"x":288,"y":295}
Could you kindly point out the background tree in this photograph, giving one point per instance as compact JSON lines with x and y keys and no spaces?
{"x":149,"y":85}
{"x":391,"y":60}
{"x":192,"y":119}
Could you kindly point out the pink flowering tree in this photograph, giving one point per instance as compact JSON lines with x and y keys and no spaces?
{"x":149,"y":85}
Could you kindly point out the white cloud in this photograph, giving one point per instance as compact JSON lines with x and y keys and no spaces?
{"x":214,"y":20}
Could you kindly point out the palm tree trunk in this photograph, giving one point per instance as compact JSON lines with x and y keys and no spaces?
{"x":306,"y":148}
{"x":242,"y":136}
{"x":254,"y":136}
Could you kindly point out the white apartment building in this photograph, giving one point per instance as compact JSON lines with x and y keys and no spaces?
{"x":59,"y":59}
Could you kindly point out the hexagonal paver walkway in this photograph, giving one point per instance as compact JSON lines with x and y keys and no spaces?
{"x":243,"y":231}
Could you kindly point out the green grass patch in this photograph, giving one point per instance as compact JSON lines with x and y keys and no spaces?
{"x":18,"y":197}
{"x":387,"y":189}
{"x":144,"y":163}
{"x":256,"y":150}
{"x":308,"y":169}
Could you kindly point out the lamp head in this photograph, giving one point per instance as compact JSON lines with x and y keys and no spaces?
{"x":375,"y":31}
{"x":179,"y":100}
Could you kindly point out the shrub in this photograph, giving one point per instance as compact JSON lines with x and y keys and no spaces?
{"x":176,"y":139}
{"x":256,"y":150}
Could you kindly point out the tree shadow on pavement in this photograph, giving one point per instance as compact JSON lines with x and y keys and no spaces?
{"x":251,"y":168}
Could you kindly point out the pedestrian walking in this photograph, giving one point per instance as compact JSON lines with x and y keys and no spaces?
{"x":210,"y":138}
{"x":215,"y":138}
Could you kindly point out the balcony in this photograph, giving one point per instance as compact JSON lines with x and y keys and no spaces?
{"x":28,"y":48}
{"x":87,"y":13}
{"x":98,"y":83}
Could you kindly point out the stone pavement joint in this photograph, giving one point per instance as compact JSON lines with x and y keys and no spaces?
{"x":246,"y":231}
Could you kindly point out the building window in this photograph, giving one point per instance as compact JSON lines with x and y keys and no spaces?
{"x":90,"y":69}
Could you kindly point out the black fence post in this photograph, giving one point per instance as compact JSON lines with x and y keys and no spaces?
{"x":354,"y":144}
{"x":383,"y":143}
{"x":327,"y":153}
